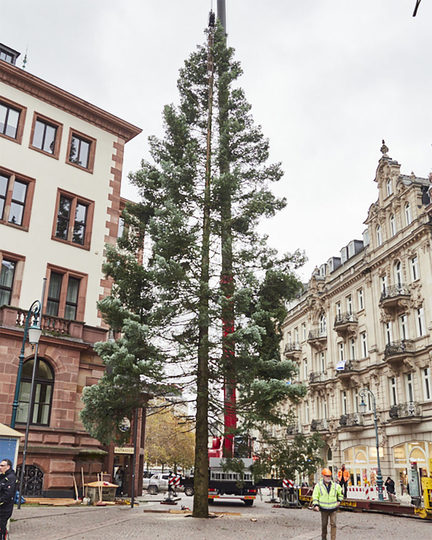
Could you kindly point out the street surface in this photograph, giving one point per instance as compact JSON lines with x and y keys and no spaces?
{"x":261,"y":522}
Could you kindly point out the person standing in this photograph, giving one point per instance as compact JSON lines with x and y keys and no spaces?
{"x":390,"y":486}
{"x":343,"y":478}
{"x":326,"y":498}
{"x":7,"y":494}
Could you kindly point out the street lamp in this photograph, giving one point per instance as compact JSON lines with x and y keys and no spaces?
{"x":362,"y":407}
{"x":34,"y":334}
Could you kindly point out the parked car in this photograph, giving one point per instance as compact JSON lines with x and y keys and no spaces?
{"x":159,"y":483}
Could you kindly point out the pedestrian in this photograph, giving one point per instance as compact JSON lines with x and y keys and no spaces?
{"x":390,"y":486}
{"x":326,"y":498}
{"x":118,"y":479}
{"x":343,"y":479}
{"x":7,"y":494}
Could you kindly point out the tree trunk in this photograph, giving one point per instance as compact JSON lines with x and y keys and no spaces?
{"x":201,"y":471}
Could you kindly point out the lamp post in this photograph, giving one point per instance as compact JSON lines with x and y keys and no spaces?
{"x":34,"y":333}
{"x":362,"y":406}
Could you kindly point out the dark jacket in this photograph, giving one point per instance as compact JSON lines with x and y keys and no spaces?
{"x":390,"y":485}
{"x":7,"y":490}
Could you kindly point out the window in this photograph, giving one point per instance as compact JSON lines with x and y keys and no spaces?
{"x":65,"y":294}
{"x":344,"y":402}
{"x":383,"y":284}
{"x":303,"y":331}
{"x":296,"y":335}
{"x":408,"y":217}
{"x":378,"y":235}
{"x":44,"y":385}
{"x":349,"y":304}
{"x":403,"y":327}
{"x":305,"y":369}
{"x":306,"y":413}
{"x":121,"y":228}
{"x":74,"y":219}
{"x":414,"y":268}
{"x":322,"y":325}
{"x":426,"y":383}
{"x":388,"y":332}
{"x":46,"y":135}
{"x":352,"y":348}
{"x":421,"y":328}
{"x":81,"y":150}
{"x":356,"y":400}
{"x":12,"y":118}
{"x":398,"y":273}
{"x":392,"y":225}
{"x":364,"y":346}
{"x":409,"y":380}
{"x":389,"y":187}
{"x":338,"y":309}
{"x":393,"y":391}
{"x":16,"y":197}
{"x":7,"y":274}
{"x":322,"y":362}
{"x":341,"y":352}
{"x":360,"y":299}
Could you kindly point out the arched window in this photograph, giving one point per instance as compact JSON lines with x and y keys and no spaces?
{"x":408,"y":217}
{"x":389,"y":187}
{"x":378,"y":235}
{"x":43,"y":390}
{"x":392,"y":225}
{"x":398,"y":273}
{"x":322,"y":325}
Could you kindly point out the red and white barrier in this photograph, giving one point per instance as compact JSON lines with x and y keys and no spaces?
{"x":369,"y":493}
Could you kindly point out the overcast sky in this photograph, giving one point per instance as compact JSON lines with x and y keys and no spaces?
{"x":327,"y":80}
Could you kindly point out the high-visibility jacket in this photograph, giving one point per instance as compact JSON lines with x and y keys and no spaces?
{"x":327,"y":500}
{"x":346,"y":475}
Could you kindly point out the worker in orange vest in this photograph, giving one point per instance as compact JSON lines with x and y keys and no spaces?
{"x":343,"y":479}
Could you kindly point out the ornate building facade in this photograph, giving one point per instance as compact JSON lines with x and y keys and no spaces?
{"x":364,"y":321}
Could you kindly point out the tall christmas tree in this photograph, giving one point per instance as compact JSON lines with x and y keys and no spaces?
{"x":210,"y":296}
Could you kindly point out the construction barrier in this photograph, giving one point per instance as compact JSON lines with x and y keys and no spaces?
{"x":365,"y":493}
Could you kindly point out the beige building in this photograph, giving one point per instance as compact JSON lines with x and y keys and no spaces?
{"x":60,"y":178}
{"x":364,"y":321}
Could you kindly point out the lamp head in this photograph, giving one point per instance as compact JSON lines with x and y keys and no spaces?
{"x":362,"y":406}
{"x":34,"y":334}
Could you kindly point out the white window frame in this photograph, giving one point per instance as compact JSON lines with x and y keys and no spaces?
{"x":393,"y":390}
{"x":389,"y":187}
{"x":379,"y":235}
{"x":392,"y":225}
{"x":341,"y":351}
{"x":304,"y":331}
{"x":352,"y":348}
{"x":398,"y":273}
{"x":409,"y":386}
{"x":408,"y":216}
{"x":427,"y":390}
{"x":338,"y":309}
{"x":364,"y":344}
{"x":344,"y":404}
{"x":360,"y":299}
{"x":414,"y":268}
{"x":305,"y":369}
{"x":349,"y":304}
{"x":388,"y":332}
{"x":420,"y":322}
{"x":403,"y":326}
{"x":322,"y":361}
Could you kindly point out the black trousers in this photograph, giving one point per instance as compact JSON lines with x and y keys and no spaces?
{"x":5,"y":514}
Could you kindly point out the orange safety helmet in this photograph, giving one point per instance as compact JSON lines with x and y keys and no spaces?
{"x":326,"y":472}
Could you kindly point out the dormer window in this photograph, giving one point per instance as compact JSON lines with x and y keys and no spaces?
{"x":8,"y":55}
{"x":389,"y":187}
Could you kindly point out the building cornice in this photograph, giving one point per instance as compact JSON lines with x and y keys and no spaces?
{"x":45,"y":91}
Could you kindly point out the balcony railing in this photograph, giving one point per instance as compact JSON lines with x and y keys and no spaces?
{"x":315,"y":377}
{"x":398,"y":348}
{"x":319,"y":425}
{"x":351,"y":366}
{"x":292,"y":350}
{"x":351,"y":420}
{"x":345,"y":323}
{"x":293,"y":429}
{"x":408,"y":410}
{"x":395,"y":297}
{"x":317,"y":336}
{"x":13,"y":317}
